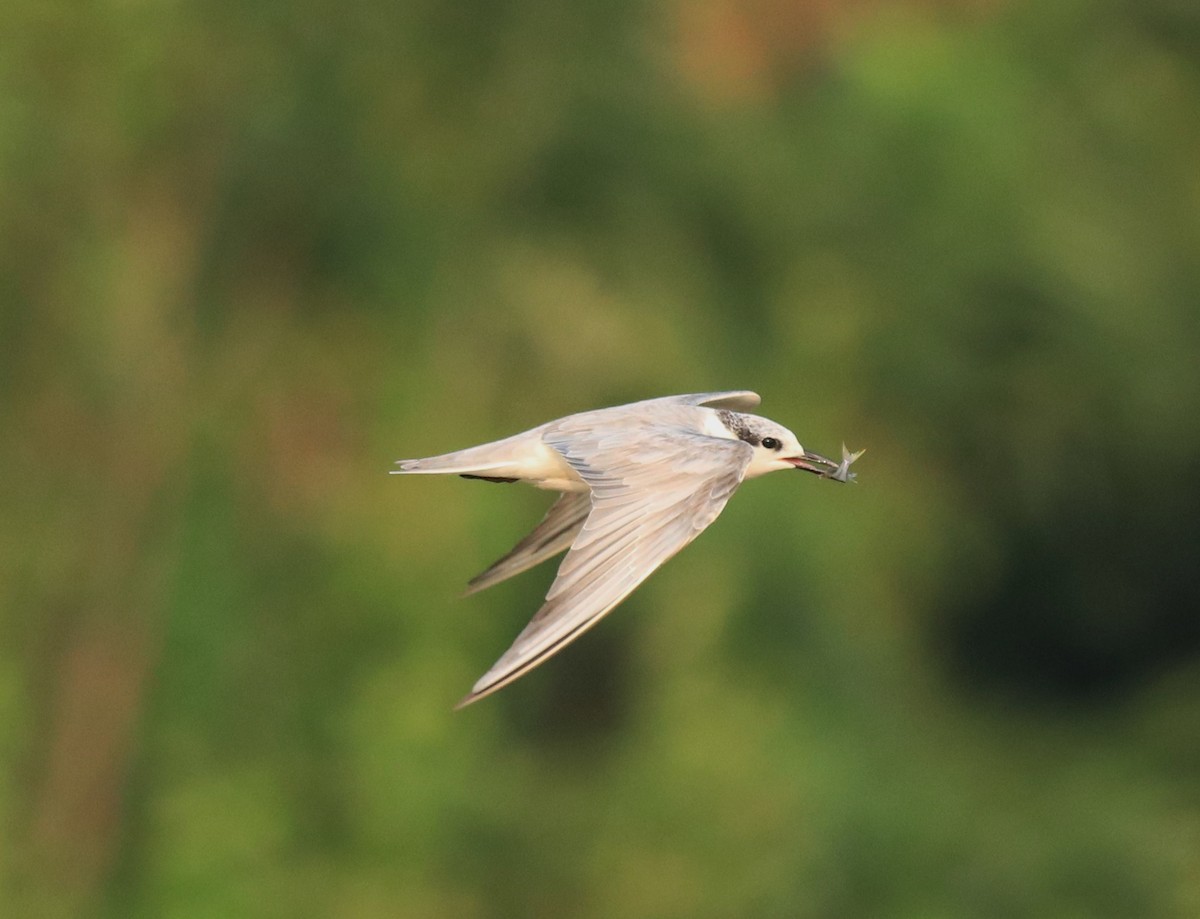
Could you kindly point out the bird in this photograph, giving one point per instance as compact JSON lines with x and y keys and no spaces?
{"x":637,"y":483}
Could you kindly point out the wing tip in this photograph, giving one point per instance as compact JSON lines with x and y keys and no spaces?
{"x":478,"y":693}
{"x":466,"y":700}
{"x":473,"y":587}
{"x":732,"y":398}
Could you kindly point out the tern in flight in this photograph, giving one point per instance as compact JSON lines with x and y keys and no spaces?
{"x":638,"y":482}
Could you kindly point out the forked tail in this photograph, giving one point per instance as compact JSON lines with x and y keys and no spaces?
{"x":488,"y":461}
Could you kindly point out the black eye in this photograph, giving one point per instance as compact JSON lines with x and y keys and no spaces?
{"x":771,"y":443}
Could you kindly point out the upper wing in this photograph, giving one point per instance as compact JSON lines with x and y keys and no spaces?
{"x":654,"y":488}
{"x":553,"y":535}
{"x":740,"y":399}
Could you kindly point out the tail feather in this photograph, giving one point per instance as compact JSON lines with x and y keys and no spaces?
{"x":481,"y":460}
{"x":444,"y":465}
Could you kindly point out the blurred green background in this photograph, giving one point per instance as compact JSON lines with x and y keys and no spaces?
{"x":251,"y":254}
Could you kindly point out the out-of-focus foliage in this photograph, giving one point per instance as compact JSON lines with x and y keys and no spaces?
{"x":252,"y":253}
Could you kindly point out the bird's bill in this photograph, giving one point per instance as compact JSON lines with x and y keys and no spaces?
{"x":813,"y":462}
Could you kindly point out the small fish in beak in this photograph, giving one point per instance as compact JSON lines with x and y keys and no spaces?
{"x":827,"y":468}
{"x":843,"y":473}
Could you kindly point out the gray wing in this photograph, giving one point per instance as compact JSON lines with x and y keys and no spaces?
{"x":739,"y":399}
{"x":654,"y":488}
{"x":553,"y":535}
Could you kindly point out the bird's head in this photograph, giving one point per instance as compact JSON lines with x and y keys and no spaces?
{"x":775,"y":447}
